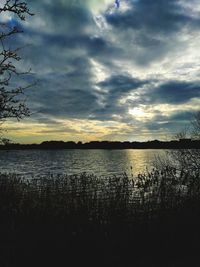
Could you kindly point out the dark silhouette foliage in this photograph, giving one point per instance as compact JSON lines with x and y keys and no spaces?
{"x":12,"y":100}
{"x":187,"y":159}
{"x":90,"y":221}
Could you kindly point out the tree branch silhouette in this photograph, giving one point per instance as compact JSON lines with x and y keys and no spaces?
{"x":12,"y":98}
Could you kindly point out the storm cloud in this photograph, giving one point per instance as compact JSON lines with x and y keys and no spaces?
{"x":136,"y":65}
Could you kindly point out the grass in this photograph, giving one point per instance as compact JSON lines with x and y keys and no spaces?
{"x":151,"y":221}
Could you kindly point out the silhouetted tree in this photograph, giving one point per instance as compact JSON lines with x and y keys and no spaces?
{"x":185,"y":161}
{"x":12,"y":100}
{"x":196,"y":126}
{"x":189,"y":159}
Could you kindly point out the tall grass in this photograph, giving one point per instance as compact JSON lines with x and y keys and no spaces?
{"x":112,"y":217}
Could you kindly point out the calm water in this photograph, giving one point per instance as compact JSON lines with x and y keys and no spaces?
{"x":99,"y":162}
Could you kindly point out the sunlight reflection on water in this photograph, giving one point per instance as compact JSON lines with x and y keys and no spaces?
{"x":99,"y":162}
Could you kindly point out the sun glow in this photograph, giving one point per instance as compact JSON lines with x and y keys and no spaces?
{"x":98,"y":6}
{"x":140,"y":114}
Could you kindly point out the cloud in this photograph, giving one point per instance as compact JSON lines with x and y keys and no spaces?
{"x":149,"y":30}
{"x":135,"y":65}
{"x":170,"y":14}
{"x":175,"y":92}
{"x":114,"y":89}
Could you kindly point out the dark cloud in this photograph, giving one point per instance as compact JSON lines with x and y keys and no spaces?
{"x":117,"y":86}
{"x":62,"y":16}
{"x":63,"y":99}
{"x":121,"y":84}
{"x":184,"y":115}
{"x":168,"y":126}
{"x":170,"y":123}
{"x":149,"y":30}
{"x":160,"y":17}
{"x":64,"y":40}
{"x":172,"y":92}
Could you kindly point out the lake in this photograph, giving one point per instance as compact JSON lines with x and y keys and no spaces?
{"x":99,"y":162}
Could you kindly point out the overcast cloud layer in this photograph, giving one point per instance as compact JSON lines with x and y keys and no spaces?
{"x":127,"y":73}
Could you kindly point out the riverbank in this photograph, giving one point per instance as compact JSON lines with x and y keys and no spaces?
{"x":151,"y":221}
{"x":99,"y":222}
{"x":108,"y":145}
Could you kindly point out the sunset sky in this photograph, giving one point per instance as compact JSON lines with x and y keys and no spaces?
{"x":108,"y":72}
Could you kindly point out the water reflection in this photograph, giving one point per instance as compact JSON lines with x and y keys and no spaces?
{"x":99,"y":162}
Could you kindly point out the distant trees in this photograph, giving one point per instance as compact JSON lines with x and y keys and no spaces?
{"x":12,"y":100}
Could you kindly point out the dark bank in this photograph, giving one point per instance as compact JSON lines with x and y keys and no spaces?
{"x":90,"y":221}
{"x":185,"y":143}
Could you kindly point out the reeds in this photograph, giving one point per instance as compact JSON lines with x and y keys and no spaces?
{"x":88,"y":214}
{"x":88,"y":199}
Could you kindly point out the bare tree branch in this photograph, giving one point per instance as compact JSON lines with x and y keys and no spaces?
{"x":19,"y":8}
{"x":12,"y":100}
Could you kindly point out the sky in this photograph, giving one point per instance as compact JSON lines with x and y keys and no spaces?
{"x":106,"y":70}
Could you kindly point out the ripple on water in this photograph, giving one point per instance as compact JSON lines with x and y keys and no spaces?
{"x":98,"y":162}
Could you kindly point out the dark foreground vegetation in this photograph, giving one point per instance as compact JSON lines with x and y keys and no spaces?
{"x":88,"y":221}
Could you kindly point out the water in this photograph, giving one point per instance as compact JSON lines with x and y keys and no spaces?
{"x":99,"y":162}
